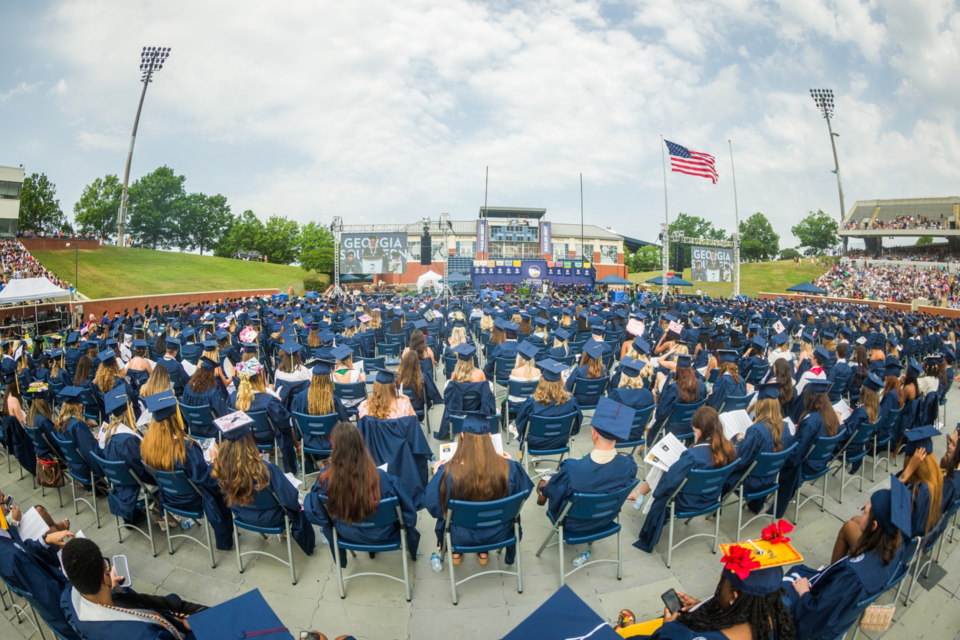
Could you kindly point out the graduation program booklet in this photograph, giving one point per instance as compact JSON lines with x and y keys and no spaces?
{"x":735,"y":423}
{"x":663,"y":454}
{"x":844,"y":409}
{"x":32,"y":526}
{"x":449,"y":448}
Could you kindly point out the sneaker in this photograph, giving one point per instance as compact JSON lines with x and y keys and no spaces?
{"x":513,"y":430}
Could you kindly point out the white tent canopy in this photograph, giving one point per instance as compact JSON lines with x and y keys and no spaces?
{"x":429,"y":279}
{"x":30,"y":289}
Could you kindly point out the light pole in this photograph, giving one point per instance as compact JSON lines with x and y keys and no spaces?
{"x":76,"y":266}
{"x":823,"y":98}
{"x":151,"y":61}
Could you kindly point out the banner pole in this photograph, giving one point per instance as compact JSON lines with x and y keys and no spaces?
{"x":665,"y":236}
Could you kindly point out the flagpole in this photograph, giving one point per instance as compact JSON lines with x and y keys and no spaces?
{"x":665,"y":237}
{"x":736,"y":233}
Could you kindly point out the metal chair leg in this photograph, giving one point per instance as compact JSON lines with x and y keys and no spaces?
{"x":206,"y":525}
{"x":670,"y":539}
{"x":236,"y":545}
{"x":716,"y":532}
{"x":406,"y":568}
{"x":293,"y":570}
{"x":453,"y":577}
{"x":619,"y":551}
{"x":516,"y":534}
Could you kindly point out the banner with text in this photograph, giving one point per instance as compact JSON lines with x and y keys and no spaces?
{"x":710,"y":264}
{"x":530,"y":272}
{"x":364,"y":253}
{"x":482,"y":236}
{"x":546,"y":241}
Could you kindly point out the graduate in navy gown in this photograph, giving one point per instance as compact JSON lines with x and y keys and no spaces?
{"x":747,"y":603}
{"x":459,"y":479}
{"x":204,"y":390}
{"x":729,"y":383}
{"x":121,"y":443}
{"x":40,"y":417}
{"x":685,"y":388}
{"x":318,"y":400}
{"x":867,"y":411}
{"x":550,"y":400}
{"x":108,"y":377}
{"x":243,"y":474}
{"x":560,"y":349}
{"x":591,"y":367}
{"x":71,"y":426}
{"x":602,"y":471}
{"x":167,"y":447}
{"x":921,"y":474}
{"x":951,"y":479}
{"x":767,"y":435}
{"x":251,"y":396}
{"x":631,"y":393}
{"x":822,"y":602}
{"x":348,"y":491}
{"x":97,"y":607}
{"x":711,"y":451}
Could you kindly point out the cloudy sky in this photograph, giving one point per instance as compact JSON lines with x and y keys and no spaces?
{"x":384,"y":111}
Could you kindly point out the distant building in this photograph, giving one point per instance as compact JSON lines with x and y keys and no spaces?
{"x":873,"y":220}
{"x":11,"y":181}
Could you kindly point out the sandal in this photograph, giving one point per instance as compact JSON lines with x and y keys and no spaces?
{"x":484,"y":558}
{"x":457,"y":558}
{"x":63,"y":525}
{"x":625,"y":619}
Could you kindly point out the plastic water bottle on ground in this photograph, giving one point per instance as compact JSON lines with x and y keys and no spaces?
{"x":581,"y":559}
{"x":186,"y":524}
{"x":435,"y":563}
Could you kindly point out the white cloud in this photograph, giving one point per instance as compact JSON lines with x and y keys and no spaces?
{"x":97,"y":140}
{"x":21,"y":89}
{"x":60,"y":88}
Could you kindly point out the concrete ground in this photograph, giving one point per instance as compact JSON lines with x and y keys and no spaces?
{"x":489,"y":606}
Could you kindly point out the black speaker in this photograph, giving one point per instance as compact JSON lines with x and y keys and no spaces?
{"x":426,"y":248}
{"x":678,"y":257}
{"x":953,"y":224}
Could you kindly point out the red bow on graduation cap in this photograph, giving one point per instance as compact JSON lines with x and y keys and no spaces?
{"x":775,"y":533}
{"x":738,"y":560}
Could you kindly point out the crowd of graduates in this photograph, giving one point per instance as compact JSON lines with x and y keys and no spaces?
{"x":538,"y":369}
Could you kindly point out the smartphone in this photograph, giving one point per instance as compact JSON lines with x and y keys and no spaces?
{"x":671,"y":600}
{"x":121,"y":569}
{"x":309,"y":635}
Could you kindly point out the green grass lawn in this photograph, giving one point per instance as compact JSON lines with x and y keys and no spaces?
{"x":112,"y":272}
{"x":769,"y":277}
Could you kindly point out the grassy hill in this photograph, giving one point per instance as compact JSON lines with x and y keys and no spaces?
{"x":771,"y":277}
{"x":112,"y":272}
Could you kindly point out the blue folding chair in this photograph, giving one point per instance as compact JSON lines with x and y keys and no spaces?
{"x":449,"y":364}
{"x":547,"y":427}
{"x":640,"y":419}
{"x":714,"y":374}
{"x":370,"y":365}
{"x":351,"y":394}
{"x":263,"y":432}
{"x":484,"y":515}
{"x":602,"y":507}
{"x":395,"y":339}
{"x":910,"y":550}
{"x":37,"y":438}
{"x":822,"y":451}
{"x":736,"y":403}
{"x":765,"y":465}
{"x":859,"y":438}
{"x":502,"y":367}
{"x":91,"y":410}
{"x":699,"y":482}
{"x":74,"y":457}
{"x":587,"y":387}
{"x":388,"y":512}
{"x":389,"y":349}
{"x":176,"y":483}
{"x":318,"y":426}
{"x":119,"y":475}
{"x":18,"y":610}
{"x":889,"y":422}
{"x":199,"y":421}
{"x":265,"y":501}
{"x":683,"y":413}
{"x":932,"y":540}
{"x":519,"y":389}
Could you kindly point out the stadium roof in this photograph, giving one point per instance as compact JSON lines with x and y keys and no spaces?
{"x":558,"y":230}
{"x":512,"y":212}
{"x":939,"y":212}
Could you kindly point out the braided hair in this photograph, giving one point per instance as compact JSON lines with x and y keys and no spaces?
{"x":757,"y":611}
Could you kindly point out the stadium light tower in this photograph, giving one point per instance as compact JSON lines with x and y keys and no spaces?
{"x":823,"y":98}
{"x":151,"y":61}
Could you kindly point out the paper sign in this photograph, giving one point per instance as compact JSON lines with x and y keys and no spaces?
{"x":779,"y":327}
{"x":231,"y":421}
{"x":774,"y":555}
{"x":635,"y":327}
{"x":676,"y":327}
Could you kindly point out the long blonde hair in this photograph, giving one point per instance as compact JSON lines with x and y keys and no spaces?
{"x":463,"y":372}
{"x":106,"y":375}
{"x":928,"y":473}
{"x":126,"y":418}
{"x":527,"y":367}
{"x":249,"y":386}
{"x":458,"y":336}
{"x":381,"y":400}
{"x":320,"y":396}
{"x":870,"y":400}
{"x":241,"y":471}
{"x":68,"y":410}
{"x":550,"y":393}
{"x":165,"y":443}
{"x":767,"y":411}
{"x":158,"y":381}
{"x":631,"y":382}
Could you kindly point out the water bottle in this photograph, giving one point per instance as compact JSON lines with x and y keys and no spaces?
{"x":435,"y":563}
{"x":581,"y":559}
{"x":186,"y":524}
{"x":638,"y":503}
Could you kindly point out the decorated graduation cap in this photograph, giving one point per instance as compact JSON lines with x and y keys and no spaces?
{"x":745,"y":574}
{"x":385,"y":376}
{"x":341,"y":352}
{"x":920,"y":438}
{"x":612,"y":420}
{"x":768,"y":391}
{"x":527,"y":351}
{"x":631,"y":367}
{"x":817,"y":386}
{"x":465,"y":351}
{"x":115,"y":401}
{"x":161,"y":405}
{"x":727,"y":355}
{"x":872,"y":382}
{"x":892,"y":507}
{"x":594,"y":349}
{"x":39,"y":389}
{"x":552,"y":370}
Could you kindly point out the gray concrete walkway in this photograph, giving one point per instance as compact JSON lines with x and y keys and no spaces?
{"x":489,"y":606}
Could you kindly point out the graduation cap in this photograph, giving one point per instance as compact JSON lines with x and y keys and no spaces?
{"x":207,"y":364}
{"x":641,"y":346}
{"x":73,"y":337}
{"x":341,"y":352}
{"x":631,"y":367}
{"x":106,"y":356}
{"x":552,"y":370}
{"x":139,"y":343}
{"x":891,"y":366}
{"x":527,"y":350}
{"x":594,"y":349}
{"x":612,"y":420}
{"x":161,"y":405}
{"x":172,"y":344}
{"x":511,"y":328}
{"x":779,"y":340}
{"x":419,"y":324}
{"x":913,"y":367}
{"x":818,"y":386}
{"x":385,"y":376}
{"x":474,"y":422}
{"x":326,"y":335}
{"x":759,"y":582}
{"x":822,"y":355}
{"x":892,"y":507}
{"x":291,"y":348}
{"x":920,"y":438}
{"x":465,"y":351}
{"x":542,"y":322}
{"x":115,"y":401}
{"x":768,"y":391}
{"x":727,"y":355}
{"x":564,"y":615}
{"x":872,"y":382}
{"x":322,"y":367}
{"x":70,"y":394}
{"x":561,"y":334}
{"x":684,"y":361}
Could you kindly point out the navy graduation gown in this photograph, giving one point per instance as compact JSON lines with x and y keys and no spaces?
{"x":724,"y":387}
{"x":676,"y":631}
{"x":583,"y":475}
{"x":428,"y":392}
{"x":581,"y":371}
{"x":696,"y":457}
{"x":125,"y":447}
{"x":281,"y":424}
{"x":669,"y":398}
{"x":17,"y":440}
{"x":401,"y":445}
{"x":506,"y":349}
{"x":301,"y":404}
{"x":46,"y":427}
{"x":303,"y":534}
{"x":531,"y":407}
{"x":920,"y":509}
{"x":826,"y":611}
{"x":79,"y":433}
{"x":517,"y":481}
{"x":809,"y":429}
{"x":215,"y":398}
{"x":853,"y":422}
{"x":178,"y":375}
{"x":453,"y":397}
{"x":211,"y":499}
{"x":315,"y":508}
{"x":109,"y":624}
{"x":635,"y":399}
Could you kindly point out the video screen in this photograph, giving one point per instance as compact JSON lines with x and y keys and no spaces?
{"x":710,"y":264}
{"x":366,"y":253}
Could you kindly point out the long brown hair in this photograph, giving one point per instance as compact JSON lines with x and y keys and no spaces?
{"x":875,"y":538}
{"x":418,"y":344}
{"x":929,"y":474}
{"x":381,"y":400}
{"x":320,"y":396}
{"x":241,"y":471}
{"x":68,"y":410}
{"x":107,"y":375}
{"x":84,"y":365}
{"x":165,"y":443}
{"x":707,"y":421}
{"x":767,"y":411}
{"x":781,"y":368}
{"x":596,"y":369}
{"x":38,"y":406}
{"x":409,"y":373}
{"x":731,"y":368}
{"x":353,"y":483}
{"x":891,"y":383}
{"x":201,"y":381}
{"x":871,"y":402}
{"x":820,"y":403}
{"x":688,"y":386}
{"x":477,"y":473}
{"x":158,"y":381}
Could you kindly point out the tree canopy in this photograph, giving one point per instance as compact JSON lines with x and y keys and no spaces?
{"x":758,"y":241}
{"x":39,"y":206}
{"x":817,"y":233}
{"x":695,"y":227}
{"x":96,"y":210}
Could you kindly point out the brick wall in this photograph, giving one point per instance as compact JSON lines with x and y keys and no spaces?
{"x":49,"y":244}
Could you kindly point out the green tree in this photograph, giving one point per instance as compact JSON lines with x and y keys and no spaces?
{"x":242,"y":234}
{"x":156,"y":203}
{"x":279,"y":241}
{"x":817,"y":233}
{"x":319,"y":260}
{"x":39,"y":206}
{"x":96,"y":210}
{"x":647,"y":258}
{"x":206,"y":220}
{"x":758,"y":242}
{"x":314,"y":236}
{"x":925,"y":240}
{"x":790,"y":254}
{"x":695,"y":227}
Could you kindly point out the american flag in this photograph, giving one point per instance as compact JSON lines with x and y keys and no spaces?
{"x":692,"y":163}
